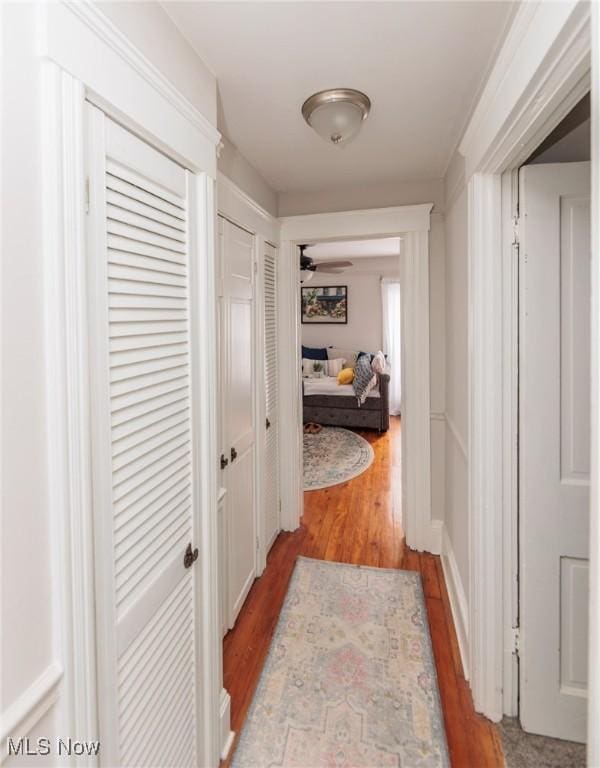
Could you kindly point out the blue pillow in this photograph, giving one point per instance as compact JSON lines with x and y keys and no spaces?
{"x":310,"y":353}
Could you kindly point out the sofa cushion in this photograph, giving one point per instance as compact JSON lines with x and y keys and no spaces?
{"x":314,"y":353}
{"x":349,"y":355}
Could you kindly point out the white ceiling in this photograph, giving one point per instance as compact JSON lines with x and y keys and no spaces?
{"x":421,"y":63}
{"x":354,"y":249}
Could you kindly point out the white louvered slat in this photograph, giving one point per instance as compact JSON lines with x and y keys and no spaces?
{"x":142,"y":295}
{"x":137,"y":193}
{"x":141,"y":234}
{"x":271,"y":475}
{"x":130,"y":245}
{"x":141,"y":208}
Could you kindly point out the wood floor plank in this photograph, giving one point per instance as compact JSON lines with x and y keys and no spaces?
{"x":360,"y":522}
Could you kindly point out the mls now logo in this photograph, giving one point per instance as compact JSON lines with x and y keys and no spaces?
{"x":44,"y":746}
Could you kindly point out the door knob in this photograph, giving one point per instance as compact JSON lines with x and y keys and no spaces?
{"x":224,"y":461}
{"x":233,"y":454}
{"x":190,"y":557}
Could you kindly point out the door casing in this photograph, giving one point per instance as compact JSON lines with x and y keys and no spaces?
{"x":411,"y":223}
{"x":536,"y":81}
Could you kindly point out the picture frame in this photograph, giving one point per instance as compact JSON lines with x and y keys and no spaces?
{"x":324,"y":305}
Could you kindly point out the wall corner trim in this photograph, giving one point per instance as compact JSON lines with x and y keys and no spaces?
{"x":23,"y":714}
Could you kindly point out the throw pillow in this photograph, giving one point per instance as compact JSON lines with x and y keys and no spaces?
{"x":335,"y":366}
{"x":314,"y":353}
{"x":345,"y":376}
{"x":313,"y":368}
{"x":349,"y":356}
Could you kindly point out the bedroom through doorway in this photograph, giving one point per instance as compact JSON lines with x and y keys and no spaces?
{"x":351,"y":389}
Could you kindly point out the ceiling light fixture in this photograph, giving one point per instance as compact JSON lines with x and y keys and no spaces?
{"x":336,"y":115}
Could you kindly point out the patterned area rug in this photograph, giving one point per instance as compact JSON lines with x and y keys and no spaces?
{"x":350,"y":678}
{"x":334,"y":456}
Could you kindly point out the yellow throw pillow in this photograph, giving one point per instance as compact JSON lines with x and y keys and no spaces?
{"x":345,"y":376}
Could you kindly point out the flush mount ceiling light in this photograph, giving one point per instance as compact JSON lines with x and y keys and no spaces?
{"x":336,"y":115}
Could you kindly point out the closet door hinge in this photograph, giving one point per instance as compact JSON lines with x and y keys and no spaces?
{"x":515,"y":241}
{"x":87,"y":195}
{"x":257,"y":543}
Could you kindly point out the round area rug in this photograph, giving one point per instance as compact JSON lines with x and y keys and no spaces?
{"x":333,"y":456}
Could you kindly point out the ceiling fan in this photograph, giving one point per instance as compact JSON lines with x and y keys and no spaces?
{"x":308,"y":267}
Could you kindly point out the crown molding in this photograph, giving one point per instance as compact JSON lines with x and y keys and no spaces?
{"x":91,"y":15}
{"x":544,"y":62}
{"x":118,"y":78}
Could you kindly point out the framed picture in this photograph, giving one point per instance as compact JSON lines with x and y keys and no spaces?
{"x":325,"y":304}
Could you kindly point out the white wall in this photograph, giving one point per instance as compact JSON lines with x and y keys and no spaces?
{"x":29,"y":619}
{"x":364,"y":330}
{"x":25,"y":576}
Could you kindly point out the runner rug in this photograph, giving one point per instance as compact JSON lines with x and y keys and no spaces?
{"x":350,"y":678}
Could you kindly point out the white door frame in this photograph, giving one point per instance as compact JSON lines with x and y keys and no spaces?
{"x":106,"y":69}
{"x":412,"y":224}
{"x":541,"y":72}
{"x":593,"y":748}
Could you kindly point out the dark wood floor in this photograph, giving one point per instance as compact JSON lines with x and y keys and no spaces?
{"x":360,"y":522}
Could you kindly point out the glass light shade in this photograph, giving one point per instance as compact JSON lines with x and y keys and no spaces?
{"x":337,"y":121}
{"x":306,"y":275}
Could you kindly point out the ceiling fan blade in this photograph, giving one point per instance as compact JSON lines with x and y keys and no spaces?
{"x":333,"y":264}
{"x":328,"y":271}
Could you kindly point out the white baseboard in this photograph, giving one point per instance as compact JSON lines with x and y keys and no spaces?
{"x":458,"y":599}
{"x":227,"y":735}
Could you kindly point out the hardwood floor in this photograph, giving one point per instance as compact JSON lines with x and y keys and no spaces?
{"x":360,"y":522}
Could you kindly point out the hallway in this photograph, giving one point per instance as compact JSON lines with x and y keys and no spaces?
{"x":360,"y":522}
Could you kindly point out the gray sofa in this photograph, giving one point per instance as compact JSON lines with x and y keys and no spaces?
{"x":342,"y":411}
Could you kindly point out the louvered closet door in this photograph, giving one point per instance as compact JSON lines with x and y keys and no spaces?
{"x":271,"y":475}
{"x":142,"y":450}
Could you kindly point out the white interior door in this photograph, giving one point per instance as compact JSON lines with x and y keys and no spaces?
{"x":554,"y":440}
{"x":271,"y":457}
{"x":238,"y":374}
{"x":144,"y":488}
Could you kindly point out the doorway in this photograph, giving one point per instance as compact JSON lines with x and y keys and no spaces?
{"x":351,"y":357}
{"x":412,"y":223}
